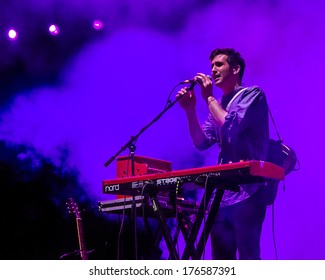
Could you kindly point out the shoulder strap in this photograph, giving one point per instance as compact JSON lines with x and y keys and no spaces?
{"x":234,"y":97}
{"x":273,"y":122}
{"x":289,"y":157}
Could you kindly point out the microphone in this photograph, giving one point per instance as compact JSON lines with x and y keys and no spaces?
{"x":192,"y":82}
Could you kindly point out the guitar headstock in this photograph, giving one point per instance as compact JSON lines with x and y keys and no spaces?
{"x":73,"y":207}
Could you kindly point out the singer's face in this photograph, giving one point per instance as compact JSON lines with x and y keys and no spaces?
{"x":221,"y":70}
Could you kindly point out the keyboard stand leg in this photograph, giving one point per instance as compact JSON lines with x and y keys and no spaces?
{"x":209,"y":222}
{"x":189,"y":248}
{"x":164,"y":228}
{"x":134,"y":227}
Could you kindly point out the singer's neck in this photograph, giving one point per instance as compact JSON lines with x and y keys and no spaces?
{"x":228,"y":89}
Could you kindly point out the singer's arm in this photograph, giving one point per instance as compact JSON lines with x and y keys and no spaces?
{"x":218,"y":114}
{"x":214,"y":107}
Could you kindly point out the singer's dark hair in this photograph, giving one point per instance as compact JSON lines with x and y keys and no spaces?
{"x":233,"y":58}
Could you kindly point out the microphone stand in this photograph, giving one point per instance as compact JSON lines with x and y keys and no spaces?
{"x":131,"y":146}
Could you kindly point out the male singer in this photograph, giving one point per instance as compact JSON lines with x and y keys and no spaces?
{"x":238,"y":123}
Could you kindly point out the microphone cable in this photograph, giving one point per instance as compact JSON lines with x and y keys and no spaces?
{"x":168,"y":101}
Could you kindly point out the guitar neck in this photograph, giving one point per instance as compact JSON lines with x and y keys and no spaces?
{"x":81,"y":238}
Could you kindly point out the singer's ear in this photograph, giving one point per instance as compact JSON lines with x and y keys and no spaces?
{"x":236,"y":69}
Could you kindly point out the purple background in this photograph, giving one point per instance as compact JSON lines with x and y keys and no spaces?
{"x":108,"y":86}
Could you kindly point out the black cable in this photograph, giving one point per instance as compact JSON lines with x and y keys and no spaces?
{"x":170,"y":93}
{"x":273,"y":233}
{"x":177,"y":214}
{"x":121,"y":229}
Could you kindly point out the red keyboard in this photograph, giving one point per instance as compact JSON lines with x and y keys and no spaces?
{"x":228,"y":175}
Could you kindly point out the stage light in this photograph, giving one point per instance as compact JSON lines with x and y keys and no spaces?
{"x":12,"y":34}
{"x":98,"y":25}
{"x":54,"y":30}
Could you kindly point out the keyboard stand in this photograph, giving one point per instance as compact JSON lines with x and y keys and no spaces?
{"x":190,"y":250}
{"x":164,"y":228}
{"x":190,"y":234}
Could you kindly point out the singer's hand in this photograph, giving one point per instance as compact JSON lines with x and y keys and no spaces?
{"x":205,"y":83}
{"x":187,"y":99}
